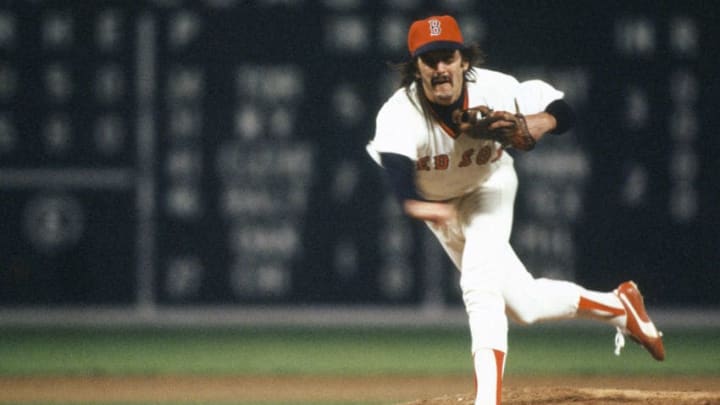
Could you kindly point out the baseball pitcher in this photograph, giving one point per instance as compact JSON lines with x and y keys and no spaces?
{"x":441,"y":139}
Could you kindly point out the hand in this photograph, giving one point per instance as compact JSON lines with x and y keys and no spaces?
{"x":539,"y":124}
{"x":439,"y":213}
{"x":508,"y":129}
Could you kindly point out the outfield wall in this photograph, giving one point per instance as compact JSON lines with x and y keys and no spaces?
{"x":170,"y":159}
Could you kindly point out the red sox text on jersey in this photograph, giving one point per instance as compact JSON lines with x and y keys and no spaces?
{"x":468,"y":157}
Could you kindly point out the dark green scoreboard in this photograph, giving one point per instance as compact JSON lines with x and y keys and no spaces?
{"x":212,"y":152}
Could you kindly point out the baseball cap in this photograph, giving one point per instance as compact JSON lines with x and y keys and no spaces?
{"x":433,"y":33}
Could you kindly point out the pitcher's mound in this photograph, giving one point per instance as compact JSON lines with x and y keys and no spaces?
{"x":574,"y":396}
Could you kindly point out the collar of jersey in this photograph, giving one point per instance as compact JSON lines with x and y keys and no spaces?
{"x":448,"y":130}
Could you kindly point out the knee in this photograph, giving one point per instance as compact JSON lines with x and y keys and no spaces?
{"x":486,"y":312}
{"x":541,"y":300}
{"x":488,"y":330}
{"x":481,"y":296}
{"x":529,"y":309}
{"x":524,"y":316}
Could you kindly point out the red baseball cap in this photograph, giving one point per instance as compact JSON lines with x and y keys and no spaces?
{"x":432,"y":33}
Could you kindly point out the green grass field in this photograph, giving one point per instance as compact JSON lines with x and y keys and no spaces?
{"x":72,"y":351}
{"x":336,"y":351}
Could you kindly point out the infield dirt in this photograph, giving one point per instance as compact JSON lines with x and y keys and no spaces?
{"x":406,"y":390}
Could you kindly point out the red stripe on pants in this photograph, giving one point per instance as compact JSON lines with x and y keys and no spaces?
{"x":499,"y":361}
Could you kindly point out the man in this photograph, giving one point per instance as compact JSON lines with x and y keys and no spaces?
{"x":464,"y":188}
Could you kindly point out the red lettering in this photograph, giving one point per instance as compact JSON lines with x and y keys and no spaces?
{"x":442,"y":162}
{"x":423,"y":163}
{"x":466,"y":159}
{"x":483,"y":155}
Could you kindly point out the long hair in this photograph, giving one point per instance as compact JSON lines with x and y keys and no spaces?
{"x":410,"y":74}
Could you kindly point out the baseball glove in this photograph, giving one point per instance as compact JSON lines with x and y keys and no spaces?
{"x":509,"y":129}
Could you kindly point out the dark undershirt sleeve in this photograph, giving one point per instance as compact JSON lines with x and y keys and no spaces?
{"x":564,"y":115}
{"x":400,"y":172}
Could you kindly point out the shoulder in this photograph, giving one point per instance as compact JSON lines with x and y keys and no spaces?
{"x":401,"y":99}
{"x":539,"y":86}
{"x":492,"y":88}
{"x":399,"y":127}
{"x":487,"y":77}
{"x":402,"y":103}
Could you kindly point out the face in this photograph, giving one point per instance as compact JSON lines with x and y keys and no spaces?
{"x":442,"y":74}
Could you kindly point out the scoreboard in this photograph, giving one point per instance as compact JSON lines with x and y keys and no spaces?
{"x":184,"y":153}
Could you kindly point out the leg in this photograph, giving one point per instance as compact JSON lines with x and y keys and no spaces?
{"x":485,"y":307}
{"x":531,"y":300}
{"x":488,"y":330}
{"x":489,"y":366}
{"x":486,"y":220}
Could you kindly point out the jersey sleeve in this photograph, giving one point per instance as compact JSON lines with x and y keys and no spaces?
{"x":534,"y":96}
{"x":396,"y":127}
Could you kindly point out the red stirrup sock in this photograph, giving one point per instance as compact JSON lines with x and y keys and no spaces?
{"x":489,"y":367}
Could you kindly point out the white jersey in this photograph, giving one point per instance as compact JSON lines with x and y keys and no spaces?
{"x":448,"y":165}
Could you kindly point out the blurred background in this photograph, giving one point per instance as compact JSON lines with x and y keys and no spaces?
{"x":194,"y":161}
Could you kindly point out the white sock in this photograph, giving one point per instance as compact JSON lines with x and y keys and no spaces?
{"x":489,"y":367}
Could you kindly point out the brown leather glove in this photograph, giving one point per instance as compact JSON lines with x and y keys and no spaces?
{"x":481,"y":122}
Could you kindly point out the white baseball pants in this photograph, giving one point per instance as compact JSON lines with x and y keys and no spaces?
{"x":494,"y":282}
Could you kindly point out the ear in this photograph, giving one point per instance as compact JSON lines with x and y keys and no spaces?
{"x":465,"y":65}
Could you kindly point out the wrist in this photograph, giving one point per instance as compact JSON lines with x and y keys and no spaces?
{"x":563,"y":114}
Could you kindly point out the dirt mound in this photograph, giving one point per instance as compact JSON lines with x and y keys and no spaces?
{"x":574,"y":396}
{"x":168,"y":389}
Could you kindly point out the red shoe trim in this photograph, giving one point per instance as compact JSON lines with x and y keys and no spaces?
{"x":589,"y":305}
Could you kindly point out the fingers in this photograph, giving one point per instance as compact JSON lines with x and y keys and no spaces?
{"x":438,"y":213}
{"x":457,"y":116}
{"x":487,"y":124}
{"x":502,"y":120}
{"x":471,"y":115}
{"x":503,"y":115}
{"x":482,"y":109}
{"x":502,"y":124}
